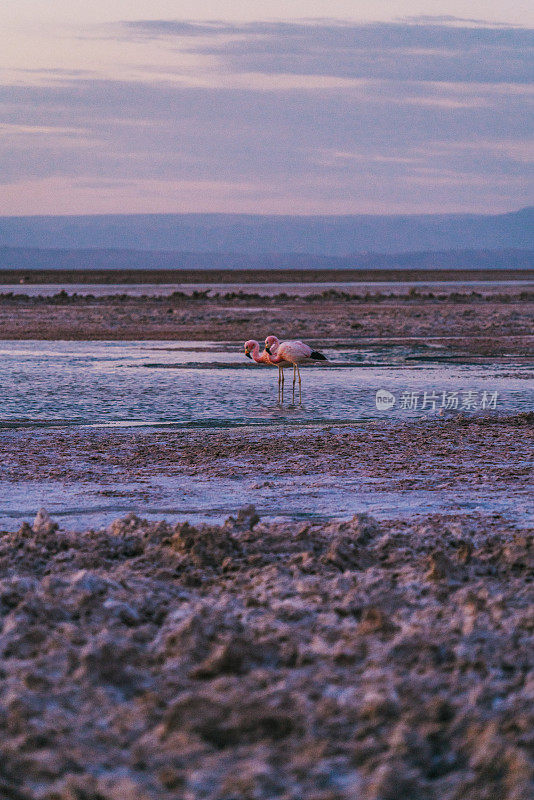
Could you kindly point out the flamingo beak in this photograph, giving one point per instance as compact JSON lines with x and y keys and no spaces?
{"x":247,"y":353}
{"x":268,"y":349}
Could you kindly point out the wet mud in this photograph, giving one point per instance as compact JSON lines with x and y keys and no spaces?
{"x":462,"y":451}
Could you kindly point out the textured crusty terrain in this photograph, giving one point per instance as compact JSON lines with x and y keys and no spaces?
{"x":345,"y":661}
{"x":459,"y":453}
{"x":467,"y":323}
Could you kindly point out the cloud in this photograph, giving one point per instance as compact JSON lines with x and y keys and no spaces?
{"x":425,"y":50}
{"x":251,"y":132}
{"x":412,"y":120}
{"x":449,"y":19}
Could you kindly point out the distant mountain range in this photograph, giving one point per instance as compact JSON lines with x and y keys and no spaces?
{"x":32,"y":258}
{"x":230,"y":237}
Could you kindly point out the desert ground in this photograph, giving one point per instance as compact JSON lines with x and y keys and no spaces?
{"x":326,"y":659}
{"x":494,"y":323}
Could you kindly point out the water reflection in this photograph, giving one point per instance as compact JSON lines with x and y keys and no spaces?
{"x":199,"y":383}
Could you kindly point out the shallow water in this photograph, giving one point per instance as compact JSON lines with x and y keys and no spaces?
{"x":81,"y":506}
{"x":143,"y":385}
{"x":210,"y":384}
{"x":268,"y":289}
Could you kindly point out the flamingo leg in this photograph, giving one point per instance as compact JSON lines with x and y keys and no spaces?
{"x":294,"y":379}
{"x":283,"y":379}
{"x":300,"y":386}
{"x":278,"y":385}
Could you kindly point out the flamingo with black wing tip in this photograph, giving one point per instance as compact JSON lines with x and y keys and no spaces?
{"x":252,"y":351}
{"x":295,"y":352}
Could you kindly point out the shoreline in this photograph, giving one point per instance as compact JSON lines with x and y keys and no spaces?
{"x":402,"y":466}
{"x":465,"y":324}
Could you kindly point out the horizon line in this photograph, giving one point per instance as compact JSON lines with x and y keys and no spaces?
{"x":515,"y":210}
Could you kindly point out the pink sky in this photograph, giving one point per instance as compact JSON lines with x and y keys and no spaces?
{"x":103,"y":109}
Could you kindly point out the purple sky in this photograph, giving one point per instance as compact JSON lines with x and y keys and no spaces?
{"x":162,"y":110}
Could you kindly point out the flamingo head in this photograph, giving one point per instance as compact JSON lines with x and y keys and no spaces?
{"x":271,"y":343}
{"x":250,"y":347}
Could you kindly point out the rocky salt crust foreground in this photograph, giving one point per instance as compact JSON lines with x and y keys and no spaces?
{"x":344,"y":661}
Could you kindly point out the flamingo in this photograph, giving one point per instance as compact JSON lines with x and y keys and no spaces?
{"x":294,"y":352}
{"x":252,"y":350}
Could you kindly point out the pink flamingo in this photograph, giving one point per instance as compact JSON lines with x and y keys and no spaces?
{"x":294,"y":352}
{"x":252,"y":350}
